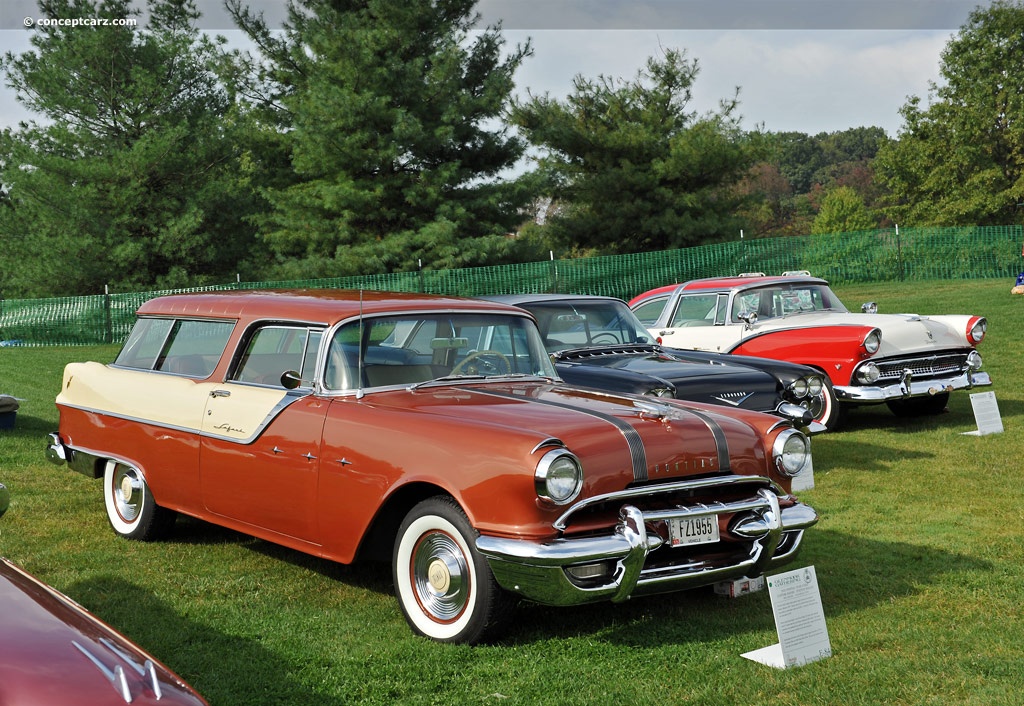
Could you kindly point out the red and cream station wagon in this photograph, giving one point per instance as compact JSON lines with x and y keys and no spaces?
{"x":366,"y":424}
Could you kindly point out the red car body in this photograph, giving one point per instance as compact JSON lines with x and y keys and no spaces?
{"x":907,"y":361}
{"x":432,"y":431}
{"x":52,"y":651}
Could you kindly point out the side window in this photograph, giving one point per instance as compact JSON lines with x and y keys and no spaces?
{"x":194,"y":347}
{"x":182,"y":347}
{"x":650,"y":310}
{"x":273,"y":350}
{"x":144,"y":343}
{"x":696,"y":310}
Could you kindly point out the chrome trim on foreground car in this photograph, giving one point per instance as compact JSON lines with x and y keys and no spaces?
{"x":571,"y":571}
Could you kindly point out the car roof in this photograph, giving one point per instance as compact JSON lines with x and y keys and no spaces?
{"x":327,"y":306}
{"x":746,"y":282}
{"x":521,"y":299}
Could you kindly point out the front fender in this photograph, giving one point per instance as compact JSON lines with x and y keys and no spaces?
{"x":836,"y":350}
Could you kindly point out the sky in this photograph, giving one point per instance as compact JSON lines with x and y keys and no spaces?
{"x":808,"y":66}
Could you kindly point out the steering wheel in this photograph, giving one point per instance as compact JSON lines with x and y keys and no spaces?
{"x":486,"y":362}
{"x":605,"y":334}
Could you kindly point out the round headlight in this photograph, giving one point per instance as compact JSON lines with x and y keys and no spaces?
{"x":868,"y":373}
{"x":872,"y":342}
{"x":814,"y":385}
{"x":977,"y":331}
{"x":798,"y":388}
{"x":974,"y":360}
{"x":559,"y":477}
{"x":791,"y":451}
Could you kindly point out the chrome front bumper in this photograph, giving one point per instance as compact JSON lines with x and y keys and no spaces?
{"x":909,"y":387}
{"x":542,"y":571}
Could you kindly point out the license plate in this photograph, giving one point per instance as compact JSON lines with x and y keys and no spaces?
{"x":693,"y":530}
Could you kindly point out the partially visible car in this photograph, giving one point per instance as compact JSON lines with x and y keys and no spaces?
{"x":907,"y":361}
{"x":53,"y":651}
{"x":598,"y":343}
{"x":362,"y":425}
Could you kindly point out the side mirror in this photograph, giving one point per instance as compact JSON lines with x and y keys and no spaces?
{"x":748,"y":317}
{"x":869,"y":308}
{"x":290,"y":379}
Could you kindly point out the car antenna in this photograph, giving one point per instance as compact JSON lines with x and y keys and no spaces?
{"x":359,"y":349}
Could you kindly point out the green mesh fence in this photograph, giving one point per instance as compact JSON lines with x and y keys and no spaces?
{"x":863,"y":256}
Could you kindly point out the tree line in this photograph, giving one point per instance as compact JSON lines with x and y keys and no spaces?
{"x":369,"y":136}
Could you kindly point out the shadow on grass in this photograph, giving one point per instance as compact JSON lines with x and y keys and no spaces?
{"x":224,"y":668}
{"x":368,"y":575}
{"x":854,"y":574}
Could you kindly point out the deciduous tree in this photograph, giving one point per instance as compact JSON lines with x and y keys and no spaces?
{"x":960,"y":159}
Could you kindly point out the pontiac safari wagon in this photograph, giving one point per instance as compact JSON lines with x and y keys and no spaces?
{"x":357,"y":425}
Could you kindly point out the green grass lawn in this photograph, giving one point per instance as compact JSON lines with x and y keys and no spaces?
{"x":918,"y":554}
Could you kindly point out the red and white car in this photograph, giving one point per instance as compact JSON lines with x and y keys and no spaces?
{"x":907,"y":361}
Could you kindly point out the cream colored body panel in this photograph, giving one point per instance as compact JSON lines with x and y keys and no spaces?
{"x":169,"y":400}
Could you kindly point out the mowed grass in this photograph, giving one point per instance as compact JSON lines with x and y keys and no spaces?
{"x":918,"y":555}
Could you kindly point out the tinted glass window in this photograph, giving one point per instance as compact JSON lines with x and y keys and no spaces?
{"x":144,"y":343}
{"x":650,"y":310}
{"x":419,"y":347}
{"x":182,"y":347}
{"x":194,"y":347}
{"x":273,"y":350}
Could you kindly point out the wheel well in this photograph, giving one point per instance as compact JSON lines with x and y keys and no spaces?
{"x":379,"y":541}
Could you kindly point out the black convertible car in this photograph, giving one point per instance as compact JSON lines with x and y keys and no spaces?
{"x":598,"y":343}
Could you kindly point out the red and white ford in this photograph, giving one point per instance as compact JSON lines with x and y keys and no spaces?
{"x":907,"y":361}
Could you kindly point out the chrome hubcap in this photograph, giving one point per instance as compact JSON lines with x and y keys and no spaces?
{"x":127,"y":493}
{"x":440,"y":576}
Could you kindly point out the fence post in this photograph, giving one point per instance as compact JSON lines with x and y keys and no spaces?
{"x":108,"y":322}
{"x":899,"y":251}
{"x":552,"y":272}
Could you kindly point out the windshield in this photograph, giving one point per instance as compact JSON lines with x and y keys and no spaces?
{"x":783,"y":300}
{"x":414,"y":348}
{"x":579,"y":323}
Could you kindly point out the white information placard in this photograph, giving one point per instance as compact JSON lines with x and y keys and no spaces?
{"x":799,"y":620}
{"x":986,"y":414}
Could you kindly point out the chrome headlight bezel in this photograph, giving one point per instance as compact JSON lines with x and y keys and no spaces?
{"x":872,"y":342}
{"x":868,"y":374}
{"x":815,"y":385}
{"x":558,"y":478}
{"x":791,"y":452}
{"x":797,"y":389}
{"x":974,"y":361}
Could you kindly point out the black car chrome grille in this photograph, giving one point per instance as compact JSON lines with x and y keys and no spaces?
{"x":923,"y":367}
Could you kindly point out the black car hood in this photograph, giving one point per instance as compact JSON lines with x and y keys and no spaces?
{"x":737,"y":386}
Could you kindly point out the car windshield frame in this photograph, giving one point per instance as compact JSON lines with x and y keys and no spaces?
{"x":784,"y":299}
{"x":412,"y":348}
{"x":572,"y":324}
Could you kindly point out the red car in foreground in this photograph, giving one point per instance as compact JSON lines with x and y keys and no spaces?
{"x":432,"y":432}
{"x":52,"y":651}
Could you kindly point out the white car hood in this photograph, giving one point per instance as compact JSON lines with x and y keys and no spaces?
{"x":901,"y":333}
